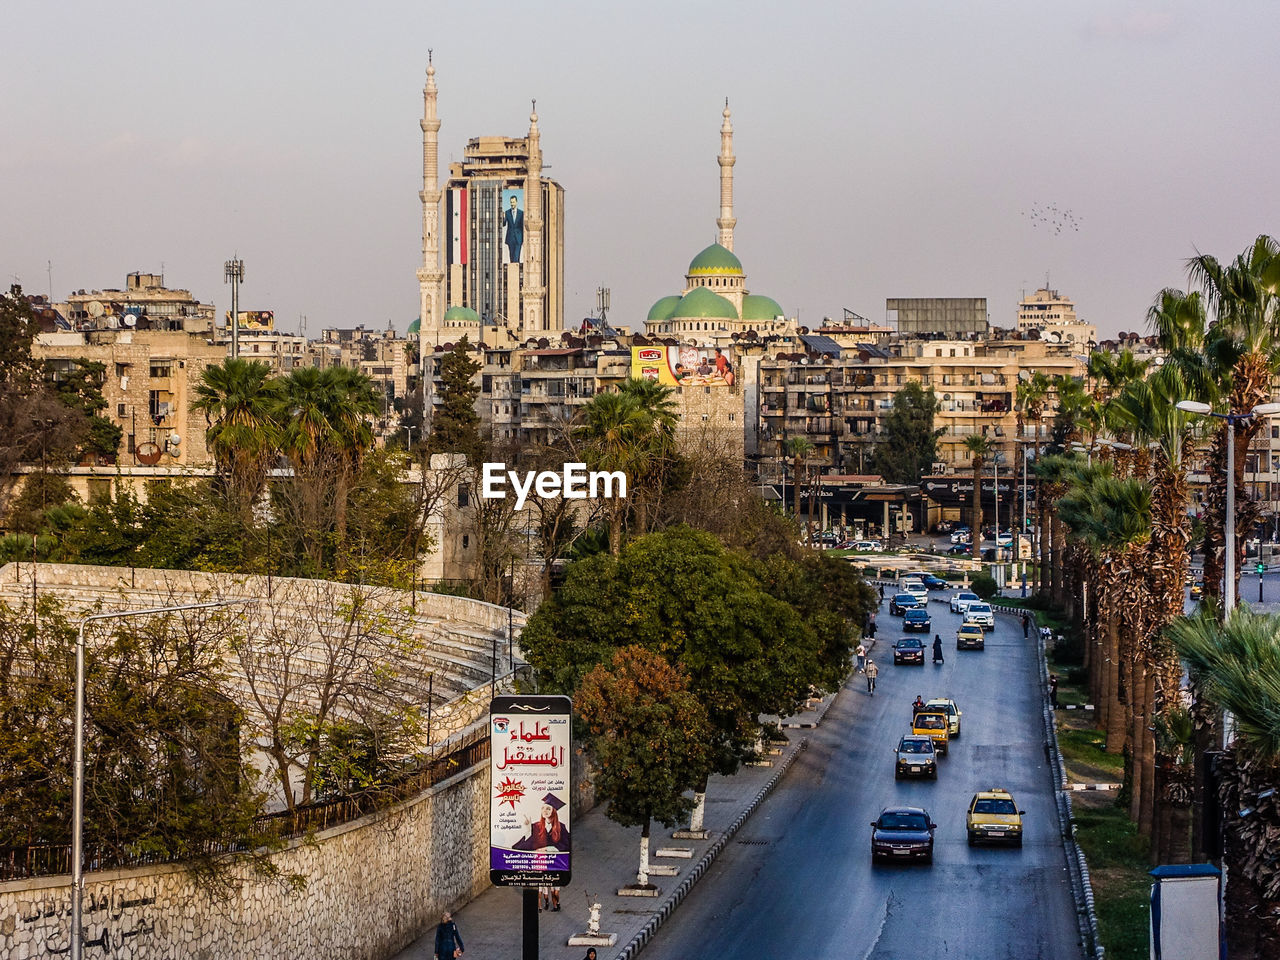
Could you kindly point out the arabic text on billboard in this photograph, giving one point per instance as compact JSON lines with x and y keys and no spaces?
{"x":684,"y":366}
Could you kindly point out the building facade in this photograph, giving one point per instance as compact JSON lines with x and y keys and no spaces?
{"x":1053,"y":317}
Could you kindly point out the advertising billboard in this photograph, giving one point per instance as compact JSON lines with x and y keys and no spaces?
{"x":684,"y":366}
{"x":458,"y":226}
{"x":254,"y":319}
{"x":511,"y":213}
{"x":530,"y":743}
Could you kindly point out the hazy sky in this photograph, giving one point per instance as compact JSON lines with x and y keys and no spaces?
{"x":884,"y":149}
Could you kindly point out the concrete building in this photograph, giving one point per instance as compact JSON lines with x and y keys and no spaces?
{"x":953,"y":317}
{"x":390,"y":362}
{"x":1053,"y":317}
{"x":492,"y":238}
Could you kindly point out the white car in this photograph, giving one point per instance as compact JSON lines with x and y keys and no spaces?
{"x":916,"y":588}
{"x":980,"y":613}
{"x":873,"y":546}
{"x":961,"y":536}
{"x":960,"y":602}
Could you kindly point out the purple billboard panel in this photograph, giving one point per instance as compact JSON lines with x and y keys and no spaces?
{"x":530,"y":745}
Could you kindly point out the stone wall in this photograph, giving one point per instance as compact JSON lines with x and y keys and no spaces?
{"x":371,"y":888}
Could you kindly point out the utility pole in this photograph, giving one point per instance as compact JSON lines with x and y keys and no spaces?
{"x":233,"y":273}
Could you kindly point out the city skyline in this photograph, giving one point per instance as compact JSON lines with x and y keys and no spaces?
{"x":880,"y":154}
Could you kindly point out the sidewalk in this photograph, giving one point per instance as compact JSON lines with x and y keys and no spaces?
{"x":606,"y":857}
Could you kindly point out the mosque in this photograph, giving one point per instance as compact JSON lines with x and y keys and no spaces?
{"x":716,"y":304}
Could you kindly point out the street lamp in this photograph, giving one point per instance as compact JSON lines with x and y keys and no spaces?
{"x":77,"y":794}
{"x":1229,"y":534}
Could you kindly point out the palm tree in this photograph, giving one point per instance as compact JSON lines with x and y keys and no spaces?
{"x":979,"y":447}
{"x":237,"y":398}
{"x":798,"y":449}
{"x":1243,"y":347}
{"x":1031,"y":399}
{"x":1236,"y":666}
{"x":617,"y":434}
{"x":653,"y":471}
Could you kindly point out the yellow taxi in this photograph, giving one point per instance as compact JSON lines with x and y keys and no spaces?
{"x":1197,"y":590}
{"x":932,"y":723}
{"x":994,"y":818}
{"x":971,"y":636}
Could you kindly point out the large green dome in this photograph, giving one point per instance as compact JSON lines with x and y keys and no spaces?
{"x":758,"y":307}
{"x":663,"y":309}
{"x":461,"y":315}
{"x":715,"y":260}
{"x":702,"y":303}
{"x":415,"y":326}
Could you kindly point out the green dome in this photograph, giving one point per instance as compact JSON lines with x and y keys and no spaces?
{"x":757,"y":307}
{"x":461,"y":315}
{"x":415,"y":326}
{"x":663,"y":309}
{"x":715,"y":260}
{"x":701,"y":302}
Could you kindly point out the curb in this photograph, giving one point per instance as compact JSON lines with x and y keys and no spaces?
{"x":676,"y":897}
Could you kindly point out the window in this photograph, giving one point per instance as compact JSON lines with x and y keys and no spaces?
{"x":732,"y":416}
{"x":99,"y":489}
{"x":466,"y":541}
{"x":130,"y":447}
{"x":120,"y":410}
{"x":163,"y":369}
{"x":122,"y":369}
{"x":464,"y":497}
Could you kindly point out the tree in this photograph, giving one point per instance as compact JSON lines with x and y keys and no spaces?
{"x":79,"y":388}
{"x":616,"y":433}
{"x":909,"y":444}
{"x":455,"y":425}
{"x":798,"y":449}
{"x":239,"y":401}
{"x":979,"y":447}
{"x":649,"y":737}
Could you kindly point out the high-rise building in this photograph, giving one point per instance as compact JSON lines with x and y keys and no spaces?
{"x":492,"y":238}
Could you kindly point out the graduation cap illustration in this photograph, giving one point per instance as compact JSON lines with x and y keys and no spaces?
{"x":554,"y":802}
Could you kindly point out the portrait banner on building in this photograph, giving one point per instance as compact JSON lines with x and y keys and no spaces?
{"x":684,"y":366}
{"x":530,"y":745}
{"x":511,"y":215}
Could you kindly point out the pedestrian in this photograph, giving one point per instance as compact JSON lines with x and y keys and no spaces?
{"x":872,"y":672}
{"x":448,"y":939}
{"x":1026,"y":626}
{"x":591,"y":954}
{"x":882,"y":593}
{"x":1053,"y":690}
{"x":871,"y":629}
{"x":861,"y":653}
{"x":937,"y":648}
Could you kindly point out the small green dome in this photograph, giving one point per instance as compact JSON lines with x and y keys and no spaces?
{"x":702,"y":303}
{"x":715,"y":260}
{"x":758,"y":307}
{"x":461,"y":315}
{"x":663,"y":309}
{"x":415,"y":326}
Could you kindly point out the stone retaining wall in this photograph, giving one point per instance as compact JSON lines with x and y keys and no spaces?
{"x":371,"y":888}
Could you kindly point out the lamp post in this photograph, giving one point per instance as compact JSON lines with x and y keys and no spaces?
{"x":1229,"y":533}
{"x":77,"y":794}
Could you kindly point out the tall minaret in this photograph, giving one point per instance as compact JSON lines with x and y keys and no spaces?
{"x":430,"y":275}
{"x":725,"y":222}
{"x":533,"y":292}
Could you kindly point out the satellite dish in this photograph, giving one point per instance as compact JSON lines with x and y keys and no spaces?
{"x":130,"y":320}
{"x":95,"y":308}
{"x":148,"y":453}
{"x":175,"y":439}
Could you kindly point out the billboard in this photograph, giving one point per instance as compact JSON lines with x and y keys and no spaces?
{"x":254,"y":319}
{"x":530,"y":743}
{"x":511,"y":215}
{"x":458,"y":225}
{"x":684,"y":366}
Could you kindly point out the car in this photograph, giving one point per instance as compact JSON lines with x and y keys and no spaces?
{"x":980,"y":613}
{"x":917,"y":619}
{"x":959,"y":550}
{"x":915,"y":757}
{"x":1197,"y":590}
{"x":909,"y":650}
{"x":962,"y":600}
{"x":960,"y":536}
{"x":948,"y":706}
{"x":916,"y":588}
{"x":899,"y":603}
{"x":943,"y":526}
{"x":994,"y":818}
{"x":933,"y":582}
{"x":935,"y":724}
{"x":971,"y":636}
{"x":902,"y":833}
{"x":868,"y":546}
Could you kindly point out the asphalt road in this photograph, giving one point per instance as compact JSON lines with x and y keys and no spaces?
{"x":797,"y":881}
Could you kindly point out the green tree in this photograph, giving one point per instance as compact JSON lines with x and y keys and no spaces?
{"x":909,"y":444}
{"x":979,"y":448}
{"x":615,"y":433}
{"x":649,"y":735}
{"x":798,"y":449}
{"x":455,"y":425}
{"x":238,"y":399}
{"x":79,"y":388}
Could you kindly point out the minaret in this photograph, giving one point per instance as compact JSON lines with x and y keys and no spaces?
{"x":533,"y":293}
{"x":430,"y":275}
{"x":726,"y":160}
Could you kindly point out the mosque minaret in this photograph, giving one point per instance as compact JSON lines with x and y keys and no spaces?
{"x":532,"y":291}
{"x":430,"y":274}
{"x":726,"y":221}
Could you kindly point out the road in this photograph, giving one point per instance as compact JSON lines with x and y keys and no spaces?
{"x":798,"y":882}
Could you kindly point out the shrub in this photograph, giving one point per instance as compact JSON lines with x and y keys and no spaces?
{"x":984,"y":585}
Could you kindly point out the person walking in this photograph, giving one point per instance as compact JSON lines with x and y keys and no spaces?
{"x":872,"y":672}
{"x":937,"y":648}
{"x":591,"y":954}
{"x":882,"y":593}
{"x":861,"y":654}
{"x":448,"y":939}
{"x":1053,"y":690}
{"x":1026,"y":626}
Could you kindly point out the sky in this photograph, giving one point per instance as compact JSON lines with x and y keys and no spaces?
{"x":888,"y":149}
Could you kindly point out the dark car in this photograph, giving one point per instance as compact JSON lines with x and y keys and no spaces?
{"x":915,"y":757}
{"x":900,"y":603}
{"x":959,"y":550}
{"x":909,"y":650}
{"x":934,"y":583}
{"x":902,"y":833}
{"x":916,"y":619}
